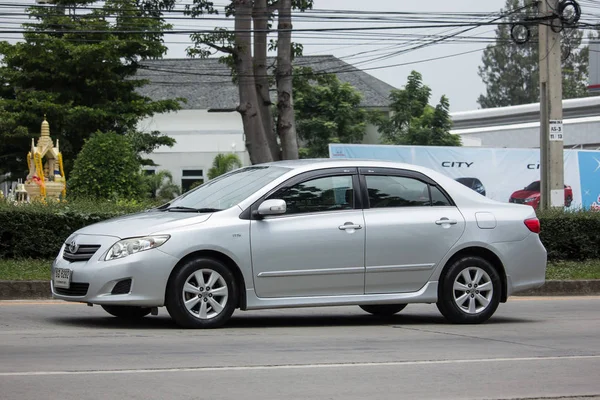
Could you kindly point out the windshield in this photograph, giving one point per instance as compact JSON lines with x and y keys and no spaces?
{"x":228,"y":190}
{"x":533,"y":187}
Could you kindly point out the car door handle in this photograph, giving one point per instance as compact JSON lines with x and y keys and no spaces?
{"x":349,"y":225}
{"x":446,"y":221}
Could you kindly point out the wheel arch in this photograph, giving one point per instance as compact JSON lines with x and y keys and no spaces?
{"x":487,"y":255}
{"x":223,"y":258}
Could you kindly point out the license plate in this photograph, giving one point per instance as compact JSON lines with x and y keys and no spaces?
{"x":62,"y":278}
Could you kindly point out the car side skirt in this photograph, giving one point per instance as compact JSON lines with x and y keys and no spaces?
{"x":427,"y":294}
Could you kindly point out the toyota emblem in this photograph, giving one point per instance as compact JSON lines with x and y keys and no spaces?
{"x":73,"y":247}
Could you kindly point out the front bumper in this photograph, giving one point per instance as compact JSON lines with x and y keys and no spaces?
{"x":148,"y":271}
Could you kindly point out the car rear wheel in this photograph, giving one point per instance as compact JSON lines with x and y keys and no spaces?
{"x":127,"y":312}
{"x":383,"y":309}
{"x":470,"y":291}
{"x":202,"y":293}
{"x":568,"y":202}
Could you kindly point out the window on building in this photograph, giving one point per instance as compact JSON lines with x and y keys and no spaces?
{"x":191,"y":178}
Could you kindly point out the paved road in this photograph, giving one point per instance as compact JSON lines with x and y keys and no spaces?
{"x":533,"y":347}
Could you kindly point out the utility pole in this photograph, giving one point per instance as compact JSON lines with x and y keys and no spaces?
{"x":551,"y":113}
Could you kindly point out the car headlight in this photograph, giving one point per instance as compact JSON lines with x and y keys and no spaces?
{"x":530,"y":199}
{"x":126,"y":247}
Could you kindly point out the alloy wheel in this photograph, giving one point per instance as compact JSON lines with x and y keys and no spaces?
{"x":473,"y":290}
{"x":205,"y":294}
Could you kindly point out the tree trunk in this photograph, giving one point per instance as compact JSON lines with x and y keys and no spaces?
{"x":256,"y":140}
{"x":286,"y":124}
{"x":260,"y":17}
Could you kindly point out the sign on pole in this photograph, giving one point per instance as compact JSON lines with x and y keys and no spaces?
{"x":556,"y":130}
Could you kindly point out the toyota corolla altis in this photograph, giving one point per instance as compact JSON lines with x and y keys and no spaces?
{"x":379,"y":235}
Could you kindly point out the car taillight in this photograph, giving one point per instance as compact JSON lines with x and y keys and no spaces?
{"x":533,"y":224}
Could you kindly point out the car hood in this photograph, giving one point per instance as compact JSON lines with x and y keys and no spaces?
{"x":523,"y":194}
{"x":144,"y":223}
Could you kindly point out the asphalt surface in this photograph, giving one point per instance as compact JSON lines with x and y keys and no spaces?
{"x":531,"y":348}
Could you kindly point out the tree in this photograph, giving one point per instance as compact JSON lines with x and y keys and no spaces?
{"x":286,"y":125}
{"x":161,"y":186}
{"x":245,"y":52}
{"x":106,"y":168}
{"x":413,"y":121}
{"x":79,"y":70}
{"x":327,"y":111}
{"x":224,"y":163}
{"x":510,"y":71}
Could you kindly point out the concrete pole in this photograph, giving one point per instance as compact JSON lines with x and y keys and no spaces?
{"x":551,"y":114}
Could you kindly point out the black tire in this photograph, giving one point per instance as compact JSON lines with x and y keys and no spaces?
{"x":127,"y":312}
{"x":568,"y":202}
{"x":383,"y":310}
{"x":175,"y":296}
{"x":448,"y":305}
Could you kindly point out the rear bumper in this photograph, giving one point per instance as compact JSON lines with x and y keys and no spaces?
{"x":524,"y":263}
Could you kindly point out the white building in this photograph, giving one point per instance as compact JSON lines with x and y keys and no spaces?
{"x":208,"y":123}
{"x":519,"y":126}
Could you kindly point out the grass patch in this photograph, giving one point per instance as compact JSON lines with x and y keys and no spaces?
{"x":25,"y":270}
{"x":28,"y":269}
{"x":573,"y":270}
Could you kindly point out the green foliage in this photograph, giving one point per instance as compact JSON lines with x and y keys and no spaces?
{"x":38,"y":230}
{"x":224,"y":163}
{"x":84,"y":81}
{"x":573,"y":270}
{"x":511,"y":71}
{"x":160,"y":186}
{"x":106,"y":168}
{"x":326,"y":111}
{"x":26,"y":269}
{"x":571,"y":235}
{"x":413,"y":120}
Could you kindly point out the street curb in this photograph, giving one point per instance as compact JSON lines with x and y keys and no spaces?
{"x":566,"y":288}
{"x":25,"y":290}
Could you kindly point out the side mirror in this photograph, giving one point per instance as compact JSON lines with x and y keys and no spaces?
{"x":272,"y":207}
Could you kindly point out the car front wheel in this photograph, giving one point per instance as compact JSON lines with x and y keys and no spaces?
{"x":127,"y":312}
{"x":470,"y":291}
{"x":383,"y":309}
{"x":202,"y":293}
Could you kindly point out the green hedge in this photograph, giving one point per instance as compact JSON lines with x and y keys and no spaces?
{"x":571,"y":235}
{"x":38,"y":230}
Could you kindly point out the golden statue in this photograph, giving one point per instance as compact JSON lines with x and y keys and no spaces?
{"x":46,"y":176}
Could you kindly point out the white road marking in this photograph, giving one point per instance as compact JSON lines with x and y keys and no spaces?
{"x":297,"y":366}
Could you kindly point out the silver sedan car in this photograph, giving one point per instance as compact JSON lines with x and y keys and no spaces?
{"x":304,"y":233}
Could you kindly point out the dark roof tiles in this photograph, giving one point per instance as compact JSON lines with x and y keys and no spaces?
{"x":206,"y":83}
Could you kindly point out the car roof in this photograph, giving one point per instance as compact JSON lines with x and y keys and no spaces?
{"x":317,"y":163}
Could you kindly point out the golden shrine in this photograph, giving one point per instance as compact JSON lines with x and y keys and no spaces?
{"x":46,"y":176}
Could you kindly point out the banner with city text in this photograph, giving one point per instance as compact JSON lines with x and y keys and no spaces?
{"x":502,"y":174}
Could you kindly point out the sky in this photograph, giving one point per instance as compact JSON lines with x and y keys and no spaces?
{"x":456,"y":77}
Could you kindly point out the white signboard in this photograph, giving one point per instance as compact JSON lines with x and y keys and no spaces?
{"x":500,"y":174}
{"x":556,"y":130}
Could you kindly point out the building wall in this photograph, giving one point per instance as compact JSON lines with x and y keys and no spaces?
{"x":372,"y":135}
{"x":578,"y":132}
{"x":200,"y":136}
